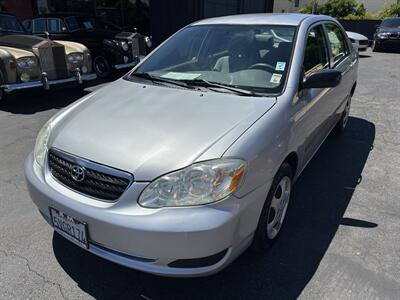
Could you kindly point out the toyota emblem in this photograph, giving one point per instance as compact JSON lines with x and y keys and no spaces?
{"x":78,"y":173}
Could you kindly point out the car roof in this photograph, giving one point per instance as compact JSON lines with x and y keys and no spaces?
{"x":263,"y":18}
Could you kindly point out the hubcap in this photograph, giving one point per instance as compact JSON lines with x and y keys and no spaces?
{"x":278,"y":207}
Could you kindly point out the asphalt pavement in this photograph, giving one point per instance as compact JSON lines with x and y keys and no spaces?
{"x":341,"y":239}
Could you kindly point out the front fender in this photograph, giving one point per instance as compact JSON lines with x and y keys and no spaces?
{"x":8,"y":67}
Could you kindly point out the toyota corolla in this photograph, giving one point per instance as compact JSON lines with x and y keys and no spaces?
{"x":179,"y":166}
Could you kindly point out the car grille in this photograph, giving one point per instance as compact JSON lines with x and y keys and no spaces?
{"x":363,"y":42}
{"x":99,"y":181}
{"x":52,"y":60}
{"x":394,"y":35}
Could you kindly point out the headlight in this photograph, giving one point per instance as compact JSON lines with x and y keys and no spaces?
{"x":124,"y":45}
{"x":41,"y":143}
{"x":383,"y":35}
{"x":27,"y":62}
{"x":75,"y":57}
{"x":200,"y":183}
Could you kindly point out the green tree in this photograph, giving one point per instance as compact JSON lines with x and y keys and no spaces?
{"x":312,"y":7}
{"x":392,"y":10}
{"x":336,"y":8}
{"x":343,"y":8}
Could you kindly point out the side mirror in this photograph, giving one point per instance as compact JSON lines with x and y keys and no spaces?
{"x":377,"y":27}
{"x":326,"y":78}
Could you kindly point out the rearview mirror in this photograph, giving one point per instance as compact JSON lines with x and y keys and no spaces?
{"x":326,"y":78}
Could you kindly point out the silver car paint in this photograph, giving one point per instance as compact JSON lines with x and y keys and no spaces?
{"x":150,"y":130}
{"x":168,"y":128}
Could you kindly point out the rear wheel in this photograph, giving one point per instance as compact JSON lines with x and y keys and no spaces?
{"x":274,"y":210}
{"x":375,"y":47}
{"x":102,"y":67}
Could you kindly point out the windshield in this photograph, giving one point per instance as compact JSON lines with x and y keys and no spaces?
{"x":254,"y":58}
{"x":72,"y":23}
{"x":395,"y":23}
{"x":10,"y":23}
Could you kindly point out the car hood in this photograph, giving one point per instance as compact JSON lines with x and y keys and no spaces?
{"x":151,"y":130}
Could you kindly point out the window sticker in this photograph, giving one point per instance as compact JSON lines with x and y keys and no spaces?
{"x":180,"y":76}
{"x":276,"y":78}
{"x":280,"y":66}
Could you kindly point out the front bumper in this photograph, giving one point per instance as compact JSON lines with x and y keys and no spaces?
{"x":151,"y":240}
{"x":393,"y":44}
{"x":46,"y":84}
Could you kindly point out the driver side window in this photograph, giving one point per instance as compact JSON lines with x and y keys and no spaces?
{"x":316,"y":54}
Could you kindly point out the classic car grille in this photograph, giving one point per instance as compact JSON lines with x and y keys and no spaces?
{"x":363,"y":42}
{"x":52,"y":60}
{"x":99,"y":181}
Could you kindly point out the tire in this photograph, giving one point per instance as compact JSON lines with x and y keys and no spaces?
{"x":344,"y":119}
{"x":375,"y":47}
{"x":274,"y":210}
{"x":102,"y":67}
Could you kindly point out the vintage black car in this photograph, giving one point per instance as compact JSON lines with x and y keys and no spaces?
{"x":387,"y":35}
{"x":112,"y":49}
{"x":28,"y":61}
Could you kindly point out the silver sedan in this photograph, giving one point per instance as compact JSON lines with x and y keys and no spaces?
{"x":179,"y":166}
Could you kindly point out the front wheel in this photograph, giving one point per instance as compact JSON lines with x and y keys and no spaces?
{"x":274,"y":210}
{"x":102,"y":67}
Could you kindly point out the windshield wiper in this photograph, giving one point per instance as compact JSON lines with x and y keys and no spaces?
{"x":208,"y":84}
{"x":161,"y":79}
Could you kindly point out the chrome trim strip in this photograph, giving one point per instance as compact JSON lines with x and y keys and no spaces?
{"x":33,"y":84}
{"x":127,"y":65}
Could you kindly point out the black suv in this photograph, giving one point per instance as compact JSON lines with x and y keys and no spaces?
{"x":387,"y":35}
{"x":111,"y":48}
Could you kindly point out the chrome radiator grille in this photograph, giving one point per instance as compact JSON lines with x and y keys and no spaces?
{"x":97,"y":181}
{"x":52,"y":61}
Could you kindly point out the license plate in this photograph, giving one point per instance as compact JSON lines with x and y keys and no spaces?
{"x":69,"y":227}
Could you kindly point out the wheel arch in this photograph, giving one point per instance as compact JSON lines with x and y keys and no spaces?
{"x":293,"y":160}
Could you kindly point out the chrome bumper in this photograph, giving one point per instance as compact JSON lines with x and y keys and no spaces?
{"x":45,"y":83}
{"x":127,"y":65}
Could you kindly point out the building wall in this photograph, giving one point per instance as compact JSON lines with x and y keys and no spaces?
{"x":168,"y":16}
{"x":291,"y":5}
{"x":22,"y":9}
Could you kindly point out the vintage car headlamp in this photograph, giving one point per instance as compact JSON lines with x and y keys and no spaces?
{"x":198,"y":184}
{"x":75,"y":58}
{"x":27,"y":62}
{"x":25,"y":77}
{"x":124,"y":45}
{"x":383,"y":35}
{"x":41,"y":143}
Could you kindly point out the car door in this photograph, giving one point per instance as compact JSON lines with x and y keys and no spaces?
{"x":342,"y":58}
{"x":311,"y":104}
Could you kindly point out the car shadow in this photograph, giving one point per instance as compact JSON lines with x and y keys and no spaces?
{"x":364,"y":56}
{"x":321,"y":196}
{"x":36,"y":100}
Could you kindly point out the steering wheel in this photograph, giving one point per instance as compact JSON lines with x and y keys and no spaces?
{"x":263,"y":66}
